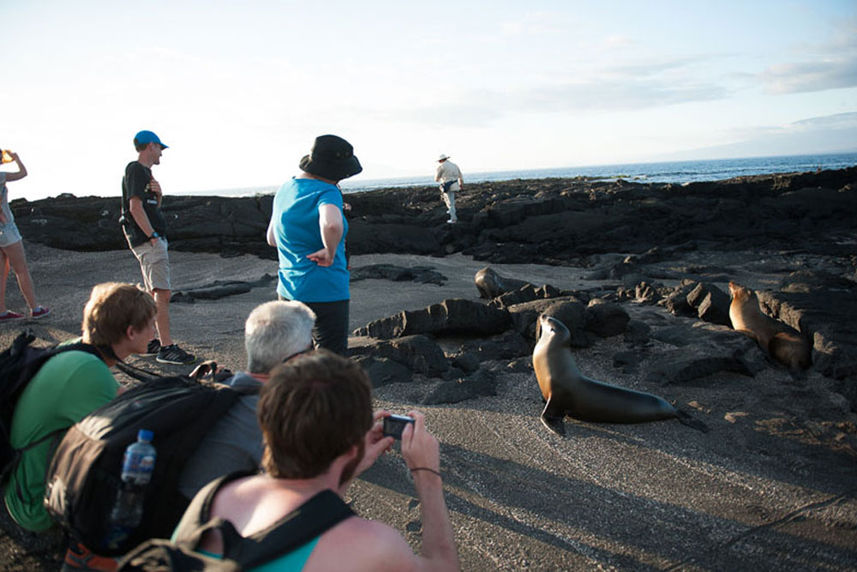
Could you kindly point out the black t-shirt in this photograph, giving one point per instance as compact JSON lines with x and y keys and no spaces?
{"x":135,"y":183}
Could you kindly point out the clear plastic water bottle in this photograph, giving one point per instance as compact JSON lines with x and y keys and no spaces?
{"x":137,"y":467}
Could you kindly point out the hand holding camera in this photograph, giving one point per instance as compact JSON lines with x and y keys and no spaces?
{"x":395,"y":424}
{"x":419,"y":447}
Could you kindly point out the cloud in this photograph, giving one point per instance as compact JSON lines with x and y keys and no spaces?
{"x":806,"y":77}
{"x":618,"y":88}
{"x":617,"y":94}
{"x":533,"y":24}
{"x":836,"y":121}
{"x":824,"y":134}
{"x":832,"y":65}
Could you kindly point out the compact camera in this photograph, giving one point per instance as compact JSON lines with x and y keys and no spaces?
{"x":395,"y":424}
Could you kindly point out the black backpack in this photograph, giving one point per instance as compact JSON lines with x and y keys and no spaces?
{"x":308,"y":521}
{"x":85,"y":471}
{"x":18,"y":364}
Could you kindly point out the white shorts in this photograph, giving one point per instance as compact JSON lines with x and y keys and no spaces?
{"x":9,"y":234}
{"x":154,"y":263}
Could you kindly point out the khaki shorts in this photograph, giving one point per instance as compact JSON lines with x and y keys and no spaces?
{"x":154,"y":263}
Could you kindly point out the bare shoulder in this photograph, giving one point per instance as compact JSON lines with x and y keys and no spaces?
{"x":368,"y":544}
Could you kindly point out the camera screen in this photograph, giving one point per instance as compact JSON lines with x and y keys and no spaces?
{"x":395,"y":424}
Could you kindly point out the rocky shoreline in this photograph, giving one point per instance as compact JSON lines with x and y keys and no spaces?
{"x":551,"y":221}
{"x":639,"y":236}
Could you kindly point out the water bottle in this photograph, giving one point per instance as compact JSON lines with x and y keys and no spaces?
{"x":137,"y":467}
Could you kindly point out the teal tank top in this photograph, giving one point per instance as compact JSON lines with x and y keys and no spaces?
{"x":294,"y":561}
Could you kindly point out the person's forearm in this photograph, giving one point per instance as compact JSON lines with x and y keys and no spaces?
{"x":331,"y":234}
{"x":22,"y":170}
{"x":269,"y":234}
{"x":438,"y":545}
{"x":20,"y":174}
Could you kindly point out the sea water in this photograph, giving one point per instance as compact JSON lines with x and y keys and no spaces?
{"x":664,"y":172}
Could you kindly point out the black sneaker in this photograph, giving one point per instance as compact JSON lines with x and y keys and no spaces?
{"x":153,"y":348}
{"x":173,"y":354}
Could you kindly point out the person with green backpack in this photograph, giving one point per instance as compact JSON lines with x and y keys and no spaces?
{"x":118,"y":320}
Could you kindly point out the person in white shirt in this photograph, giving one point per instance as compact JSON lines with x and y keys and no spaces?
{"x":449,"y":176}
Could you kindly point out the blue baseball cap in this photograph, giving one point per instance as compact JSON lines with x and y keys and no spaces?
{"x":146,"y":137}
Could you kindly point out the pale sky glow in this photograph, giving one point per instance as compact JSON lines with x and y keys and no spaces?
{"x":239,"y":90}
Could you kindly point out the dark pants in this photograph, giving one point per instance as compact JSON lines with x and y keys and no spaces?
{"x":331,"y":325}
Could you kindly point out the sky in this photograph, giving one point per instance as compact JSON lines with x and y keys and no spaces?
{"x":239,"y":90}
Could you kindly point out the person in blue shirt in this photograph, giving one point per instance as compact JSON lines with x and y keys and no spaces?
{"x":308,"y":229}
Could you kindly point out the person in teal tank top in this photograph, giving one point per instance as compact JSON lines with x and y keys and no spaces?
{"x":308,"y":228}
{"x":320,"y":433}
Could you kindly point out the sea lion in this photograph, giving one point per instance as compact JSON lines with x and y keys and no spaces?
{"x":490,"y":284}
{"x":567,"y":391}
{"x":783,"y":343}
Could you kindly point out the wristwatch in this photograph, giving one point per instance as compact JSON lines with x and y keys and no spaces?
{"x":154,"y":235}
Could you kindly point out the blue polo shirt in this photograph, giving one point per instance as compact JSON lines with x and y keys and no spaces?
{"x":295,"y":216}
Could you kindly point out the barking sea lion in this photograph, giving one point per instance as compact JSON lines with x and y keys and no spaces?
{"x":567,"y":391}
{"x":782,"y":342}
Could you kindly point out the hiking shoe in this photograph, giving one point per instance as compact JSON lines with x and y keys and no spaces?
{"x":79,"y":557}
{"x":175,"y":355}
{"x":10,"y":315}
{"x":153,"y":348}
{"x":39,"y":312}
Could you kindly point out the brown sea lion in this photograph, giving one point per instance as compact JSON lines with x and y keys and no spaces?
{"x":490,"y":284}
{"x":782,"y":342}
{"x":567,"y":391}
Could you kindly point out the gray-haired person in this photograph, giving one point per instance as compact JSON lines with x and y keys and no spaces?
{"x":273,"y":333}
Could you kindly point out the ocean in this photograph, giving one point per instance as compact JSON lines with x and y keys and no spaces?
{"x":662,"y":172}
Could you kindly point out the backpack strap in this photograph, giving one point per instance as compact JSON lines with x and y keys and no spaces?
{"x":311,"y":519}
{"x":12,"y":465}
{"x":197,"y":516}
{"x":24,"y":339}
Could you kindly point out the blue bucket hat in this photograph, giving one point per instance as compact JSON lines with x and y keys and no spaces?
{"x":146,"y":137}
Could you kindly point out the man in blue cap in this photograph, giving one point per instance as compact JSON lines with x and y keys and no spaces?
{"x":145,"y":230}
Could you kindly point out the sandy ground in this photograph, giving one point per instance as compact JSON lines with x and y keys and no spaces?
{"x":770,"y":487}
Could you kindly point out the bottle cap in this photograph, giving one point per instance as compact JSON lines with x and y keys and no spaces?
{"x":145,"y":435}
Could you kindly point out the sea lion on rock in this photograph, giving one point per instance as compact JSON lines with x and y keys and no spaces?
{"x":567,"y":391}
{"x":490,"y":284}
{"x":783,"y":343}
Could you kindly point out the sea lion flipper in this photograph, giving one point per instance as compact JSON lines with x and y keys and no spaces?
{"x":552,"y":420}
{"x":686,"y":419}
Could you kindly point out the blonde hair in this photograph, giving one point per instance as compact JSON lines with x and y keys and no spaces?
{"x":112,"y":307}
